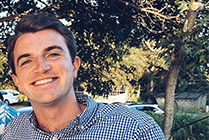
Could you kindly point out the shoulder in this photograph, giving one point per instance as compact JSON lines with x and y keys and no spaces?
{"x":121,"y":110}
{"x":138,"y":123}
{"x":123,"y":115}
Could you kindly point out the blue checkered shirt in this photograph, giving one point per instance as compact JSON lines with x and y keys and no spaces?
{"x":97,"y":122}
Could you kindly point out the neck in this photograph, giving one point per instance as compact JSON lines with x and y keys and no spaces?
{"x":55,"y":117}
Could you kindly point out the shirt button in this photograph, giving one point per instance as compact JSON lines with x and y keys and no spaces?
{"x":55,"y":137}
{"x":82,"y":127}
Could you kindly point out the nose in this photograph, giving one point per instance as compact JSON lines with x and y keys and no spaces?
{"x":41,"y":65}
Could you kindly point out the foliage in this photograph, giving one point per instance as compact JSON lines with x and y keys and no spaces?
{"x":183,"y":6}
{"x":196,"y":131}
{"x":102,"y":28}
{"x":22,"y":98}
{"x":194,"y":58}
{"x":134,"y":64}
{"x":106,"y":36}
{"x":105,"y":30}
{"x":158,"y":117}
{"x":5,"y":80}
{"x":199,"y":130}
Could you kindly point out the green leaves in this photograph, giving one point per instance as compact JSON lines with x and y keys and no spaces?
{"x":5,"y":78}
{"x":182,"y":6}
{"x":107,"y":30}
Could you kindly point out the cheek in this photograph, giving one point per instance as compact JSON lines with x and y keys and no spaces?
{"x":65,"y":69}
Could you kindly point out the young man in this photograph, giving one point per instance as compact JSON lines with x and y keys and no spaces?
{"x":42,"y":55}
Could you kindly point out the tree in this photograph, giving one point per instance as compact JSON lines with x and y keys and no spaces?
{"x":97,"y":27}
{"x":133,"y":66}
{"x":180,"y":53}
{"x":103,"y":28}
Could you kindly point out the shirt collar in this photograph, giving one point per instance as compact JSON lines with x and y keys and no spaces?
{"x":82,"y":120}
{"x":89,"y":112}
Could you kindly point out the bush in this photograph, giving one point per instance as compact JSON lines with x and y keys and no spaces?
{"x":195,"y":128}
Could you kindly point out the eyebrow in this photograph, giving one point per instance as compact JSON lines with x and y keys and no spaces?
{"x":45,"y":50}
{"x":52,"y":48}
{"x":22,"y":56}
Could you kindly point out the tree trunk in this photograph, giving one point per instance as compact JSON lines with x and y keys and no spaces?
{"x":169,"y":97}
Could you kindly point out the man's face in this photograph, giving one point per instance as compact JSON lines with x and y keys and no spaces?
{"x":44,"y":69}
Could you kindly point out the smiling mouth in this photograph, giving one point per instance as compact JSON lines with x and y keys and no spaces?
{"x":44,"y":81}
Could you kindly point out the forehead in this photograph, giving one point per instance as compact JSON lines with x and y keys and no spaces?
{"x":38,"y":41}
{"x":42,"y":37}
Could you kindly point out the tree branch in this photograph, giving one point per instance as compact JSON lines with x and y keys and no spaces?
{"x":151,"y":10}
{"x":17,"y":16}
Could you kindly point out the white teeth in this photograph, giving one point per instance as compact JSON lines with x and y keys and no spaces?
{"x":44,"y":81}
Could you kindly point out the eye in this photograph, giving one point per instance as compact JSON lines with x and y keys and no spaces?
{"x":25,"y":62}
{"x":53,"y":55}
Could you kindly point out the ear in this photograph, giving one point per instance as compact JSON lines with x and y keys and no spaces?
{"x":16,"y":81}
{"x":76,"y":66}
